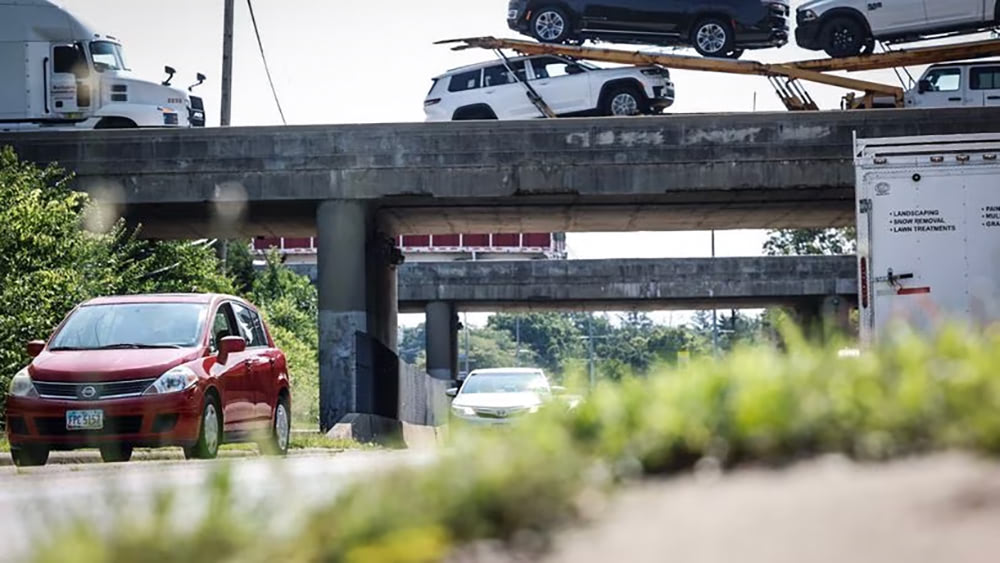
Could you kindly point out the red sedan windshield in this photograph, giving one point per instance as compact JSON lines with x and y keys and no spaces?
{"x":132,"y":325}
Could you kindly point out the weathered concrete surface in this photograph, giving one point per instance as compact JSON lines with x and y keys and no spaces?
{"x":422,"y":399}
{"x":668,"y":283}
{"x":366,"y":428}
{"x":751,"y":170}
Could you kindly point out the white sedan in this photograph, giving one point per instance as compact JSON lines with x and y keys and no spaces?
{"x":497,"y":396}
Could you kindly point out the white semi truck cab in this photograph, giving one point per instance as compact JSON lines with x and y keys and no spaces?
{"x":58,"y":72}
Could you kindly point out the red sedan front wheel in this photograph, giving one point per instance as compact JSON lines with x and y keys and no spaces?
{"x":210,"y":434}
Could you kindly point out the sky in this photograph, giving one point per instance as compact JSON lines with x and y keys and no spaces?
{"x":351,"y":61}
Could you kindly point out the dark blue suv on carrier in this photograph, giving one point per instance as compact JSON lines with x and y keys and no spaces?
{"x":719,"y":28}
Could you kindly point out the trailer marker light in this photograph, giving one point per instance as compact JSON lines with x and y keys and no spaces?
{"x":992,"y":156}
{"x":864,"y":283}
{"x":962,"y":158}
{"x":937,"y":159}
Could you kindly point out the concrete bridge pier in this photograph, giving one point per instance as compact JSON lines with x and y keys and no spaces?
{"x":826,"y":317}
{"x":356,"y":282}
{"x":441,"y":332}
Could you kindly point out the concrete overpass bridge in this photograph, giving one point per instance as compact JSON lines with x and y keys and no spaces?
{"x":352,"y":185}
{"x":659,"y":284}
{"x":813,"y":287}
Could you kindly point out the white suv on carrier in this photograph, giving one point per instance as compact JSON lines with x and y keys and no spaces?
{"x":503,"y":90}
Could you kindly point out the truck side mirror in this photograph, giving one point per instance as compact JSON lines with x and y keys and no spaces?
{"x":924,"y":86}
{"x":170,"y":75}
{"x":201,"y":80}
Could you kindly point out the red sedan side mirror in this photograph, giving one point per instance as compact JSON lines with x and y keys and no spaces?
{"x":35,"y":347}
{"x":231,"y":345}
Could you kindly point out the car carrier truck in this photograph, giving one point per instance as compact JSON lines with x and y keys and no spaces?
{"x":928,"y":212}
{"x":58,"y":72}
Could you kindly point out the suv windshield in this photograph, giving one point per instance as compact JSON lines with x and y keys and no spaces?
{"x":131,"y":325}
{"x":107,"y":56}
{"x":506,"y":383}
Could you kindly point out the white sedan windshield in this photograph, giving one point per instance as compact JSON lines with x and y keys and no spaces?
{"x":506,"y":383}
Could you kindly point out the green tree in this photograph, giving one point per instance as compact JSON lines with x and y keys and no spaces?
{"x":553,"y":337}
{"x":290,"y":305}
{"x":277,"y":282}
{"x":49,"y":263}
{"x":803,"y":242}
{"x":239,"y":266}
{"x":412,"y":343}
{"x":169,"y":267}
{"x":734,"y":328}
{"x":491,"y":348}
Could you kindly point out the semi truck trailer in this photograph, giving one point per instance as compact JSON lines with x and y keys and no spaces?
{"x":928,"y":218}
{"x":58,"y":72}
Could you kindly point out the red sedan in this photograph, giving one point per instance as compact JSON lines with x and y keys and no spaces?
{"x":186,"y":370}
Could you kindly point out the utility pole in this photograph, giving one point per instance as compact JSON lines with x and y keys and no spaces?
{"x":715,"y":323}
{"x":226,"y":108}
{"x":590,"y":347}
{"x":465,"y":327}
{"x":225,"y":113}
{"x":517,"y":332}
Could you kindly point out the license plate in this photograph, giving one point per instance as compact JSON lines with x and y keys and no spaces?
{"x":85,"y":420}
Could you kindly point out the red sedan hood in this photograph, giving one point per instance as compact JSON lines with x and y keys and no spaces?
{"x":79,"y":366}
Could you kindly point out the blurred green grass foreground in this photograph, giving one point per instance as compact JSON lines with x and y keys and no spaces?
{"x":760,"y":406}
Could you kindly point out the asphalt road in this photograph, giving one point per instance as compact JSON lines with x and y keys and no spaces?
{"x":34,"y":502}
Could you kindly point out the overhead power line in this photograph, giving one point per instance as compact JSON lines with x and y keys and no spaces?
{"x":263,"y":57}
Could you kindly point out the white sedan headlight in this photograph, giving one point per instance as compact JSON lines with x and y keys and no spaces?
{"x":463,"y":411}
{"x":177,"y":379}
{"x":21,"y":385}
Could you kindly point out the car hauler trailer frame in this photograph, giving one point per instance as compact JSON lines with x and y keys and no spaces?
{"x":784,"y":77}
{"x":928,"y":219}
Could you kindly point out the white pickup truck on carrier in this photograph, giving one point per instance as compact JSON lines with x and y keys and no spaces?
{"x":57,"y":72}
{"x":928,"y":231}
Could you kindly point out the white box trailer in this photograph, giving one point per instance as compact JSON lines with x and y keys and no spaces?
{"x":928,"y":212}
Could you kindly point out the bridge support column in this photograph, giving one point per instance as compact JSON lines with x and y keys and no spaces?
{"x":441,"y":331}
{"x":825,"y":318}
{"x":356,"y":281}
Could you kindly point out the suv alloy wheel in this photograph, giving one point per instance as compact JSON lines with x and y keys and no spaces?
{"x":713,"y":38}
{"x":550,"y":25}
